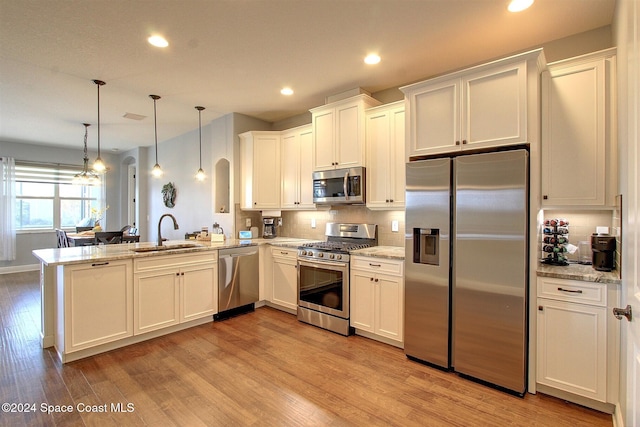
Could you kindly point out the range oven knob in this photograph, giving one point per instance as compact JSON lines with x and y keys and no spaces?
{"x":303,"y":252}
{"x":331,"y":256}
{"x":338,"y":256}
{"x":320,"y":254}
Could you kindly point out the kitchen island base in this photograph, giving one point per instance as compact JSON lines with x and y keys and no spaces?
{"x":92,"y":351}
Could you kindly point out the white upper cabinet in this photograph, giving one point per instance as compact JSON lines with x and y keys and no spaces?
{"x":339,"y":134}
{"x":385,"y":156}
{"x":297,"y":168}
{"x":578,"y":131}
{"x":490,"y":105}
{"x":260,"y":170}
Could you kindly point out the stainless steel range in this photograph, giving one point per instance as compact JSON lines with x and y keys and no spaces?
{"x":323,"y":275}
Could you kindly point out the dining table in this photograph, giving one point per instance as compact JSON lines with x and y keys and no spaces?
{"x":85,"y":238}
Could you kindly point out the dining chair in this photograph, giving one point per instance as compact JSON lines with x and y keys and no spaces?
{"x":81,"y":229}
{"x":128,"y":238}
{"x":107,"y":237}
{"x":126,"y":228}
{"x":61,"y":236}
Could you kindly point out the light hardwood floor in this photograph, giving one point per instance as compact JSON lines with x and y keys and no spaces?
{"x":261,"y":369}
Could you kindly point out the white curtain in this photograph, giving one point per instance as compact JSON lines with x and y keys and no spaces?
{"x":7,"y":206}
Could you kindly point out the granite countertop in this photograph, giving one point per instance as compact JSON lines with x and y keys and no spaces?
{"x":586,"y":273}
{"x":392,"y":252}
{"x":83,"y":254}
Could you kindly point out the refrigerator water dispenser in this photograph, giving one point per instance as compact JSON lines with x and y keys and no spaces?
{"x":426,"y":244}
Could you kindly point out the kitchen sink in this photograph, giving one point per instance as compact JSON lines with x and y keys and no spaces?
{"x":166,"y":247}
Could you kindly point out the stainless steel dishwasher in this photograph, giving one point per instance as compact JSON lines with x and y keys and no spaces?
{"x":238,"y":288}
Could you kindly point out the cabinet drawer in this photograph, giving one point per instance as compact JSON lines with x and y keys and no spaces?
{"x":170,"y":261}
{"x":573,"y":290}
{"x":372,"y":264}
{"x":281,"y":252}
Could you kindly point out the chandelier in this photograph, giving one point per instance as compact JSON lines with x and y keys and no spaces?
{"x":86,"y":177}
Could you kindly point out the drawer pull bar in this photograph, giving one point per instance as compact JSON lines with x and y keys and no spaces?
{"x":577,"y":291}
{"x":375,"y":265}
{"x":98,"y":264}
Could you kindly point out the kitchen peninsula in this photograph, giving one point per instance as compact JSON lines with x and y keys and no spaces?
{"x":98,"y":298}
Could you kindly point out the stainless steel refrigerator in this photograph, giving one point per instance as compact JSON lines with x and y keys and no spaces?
{"x":466,"y":261}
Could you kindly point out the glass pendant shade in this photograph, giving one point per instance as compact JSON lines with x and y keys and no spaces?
{"x":99,"y":165}
{"x":200,"y":176}
{"x":157,"y":170}
{"x":86,"y":177}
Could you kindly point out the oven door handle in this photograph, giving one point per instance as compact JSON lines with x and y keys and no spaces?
{"x":322,"y":263}
{"x":345,"y":185}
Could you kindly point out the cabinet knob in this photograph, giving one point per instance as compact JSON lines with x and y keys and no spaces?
{"x":371,"y":279}
{"x":464,"y":141}
{"x":376,"y":280}
{"x":390,"y":200}
{"x":545,"y":197}
{"x":457,"y":142}
{"x":540,"y":308}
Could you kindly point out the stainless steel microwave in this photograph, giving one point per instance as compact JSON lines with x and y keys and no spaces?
{"x":339,"y":186}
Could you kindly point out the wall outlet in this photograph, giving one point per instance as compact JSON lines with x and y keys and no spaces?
{"x":394,"y":226}
{"x":247,"y":222}
{"x":313,"y":223}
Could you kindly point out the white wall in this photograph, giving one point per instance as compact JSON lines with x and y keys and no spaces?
{"x":179,"y":160}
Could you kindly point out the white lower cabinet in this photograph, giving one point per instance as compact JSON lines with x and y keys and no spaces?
{"x":285,"y":278}
{"x":377,"y":298}
{"x":174,"y":289}
{"x":573,"y":341}
{"x":94,"y":303}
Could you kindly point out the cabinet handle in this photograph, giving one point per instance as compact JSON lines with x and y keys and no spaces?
{"x":375,"y":265}
{"x":99,"y":264}
{"x":576,"y":291}
{"x":284,"y":253}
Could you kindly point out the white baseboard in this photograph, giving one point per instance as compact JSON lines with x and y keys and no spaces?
{"x":618,"y":421}
{"x":19,"y":268}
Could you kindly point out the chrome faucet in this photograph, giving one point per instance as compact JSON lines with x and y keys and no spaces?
{"x":175,"y":226}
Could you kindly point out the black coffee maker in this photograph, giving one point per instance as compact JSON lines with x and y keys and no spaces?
{"x":604,"y":250}
{"x":268,"y":227}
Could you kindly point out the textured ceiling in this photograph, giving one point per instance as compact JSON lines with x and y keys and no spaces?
{"x":235,"y":55}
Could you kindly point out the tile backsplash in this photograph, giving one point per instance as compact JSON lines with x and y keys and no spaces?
{"x":583,"y":223}
{"x":298,"y":223}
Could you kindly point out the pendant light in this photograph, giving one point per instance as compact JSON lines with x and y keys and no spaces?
{"x":86,"y":177}
{"x":99,"y":165}
{"x":200,"y":176}
{"x":156,"y":171}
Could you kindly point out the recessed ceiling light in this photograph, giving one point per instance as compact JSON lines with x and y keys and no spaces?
{"x":158,"y":41}
{"x":133,"y":116}
{"x":286,"y":91}
{"x":371,"y":59}
{"x":519,"y":5}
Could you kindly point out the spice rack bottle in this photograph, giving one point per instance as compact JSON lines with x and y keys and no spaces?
{"x":554,"y":242}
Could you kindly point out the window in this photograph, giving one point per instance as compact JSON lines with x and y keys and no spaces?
{"x":46,"y":199}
